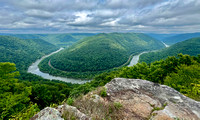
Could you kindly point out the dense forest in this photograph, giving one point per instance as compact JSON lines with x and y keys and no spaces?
{"x":181,"y":73}
{"x":99,"y":52}
{"x":23,"y":94}
{"x":23,"y":52}
{"x":27,"y":97}
{"x":190,"y":47}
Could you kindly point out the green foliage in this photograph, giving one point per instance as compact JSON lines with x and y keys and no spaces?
{"x":159,"y":108}
{"x":81,"y":89}
{"x":173,"y":71}
{"x":117,"y":105}
{"x":98,"y":53}
{"x":186,"y":80}
{"x":190,"y":47}
{"x":23,"y":52}
{"x":103,"y":92}
{"x":70,"y":101}
{"x":68,"y":115}
{"x":27,"y":113}
{"x":45,"y":92}
{"x":14,"y":96}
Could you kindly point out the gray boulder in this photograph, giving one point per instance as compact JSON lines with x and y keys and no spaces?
{"x":147,"y":100}
{"x":48,"y":113}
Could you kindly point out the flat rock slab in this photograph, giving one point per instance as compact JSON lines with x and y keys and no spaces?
{"x":147,"y":100}
{"x":141,"y":100}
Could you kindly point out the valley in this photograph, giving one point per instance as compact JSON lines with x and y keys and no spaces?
{"x":89,"y":63}
{"x":97,"y":54}
{"x":99,"y":60}
{"x":190,"y":47}
{"x":35,"y":70}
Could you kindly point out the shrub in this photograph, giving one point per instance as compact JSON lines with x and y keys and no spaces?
{"x":117,"y":105}
{"x":103,"y":92}
{"x":70,"y":101}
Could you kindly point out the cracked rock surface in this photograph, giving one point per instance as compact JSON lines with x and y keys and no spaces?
{"x":141,"y":100}
{"x":147,"y":100}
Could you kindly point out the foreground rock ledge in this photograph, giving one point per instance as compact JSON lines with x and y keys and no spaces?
{"x":150,"y":100}
{"x":140,"y":99}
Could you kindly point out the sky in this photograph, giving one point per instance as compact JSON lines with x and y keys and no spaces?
{"x":99,"y":16}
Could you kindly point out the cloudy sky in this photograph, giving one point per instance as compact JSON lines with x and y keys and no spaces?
{"x":59,"y":16}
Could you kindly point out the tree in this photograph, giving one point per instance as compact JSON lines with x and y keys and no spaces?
{"x":14,"y":96}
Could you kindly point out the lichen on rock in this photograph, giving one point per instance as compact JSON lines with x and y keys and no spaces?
{"x":129,"y":99}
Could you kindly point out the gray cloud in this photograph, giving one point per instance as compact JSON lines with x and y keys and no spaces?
{"x":100,"y":15}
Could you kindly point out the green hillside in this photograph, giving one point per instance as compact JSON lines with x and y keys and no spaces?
{"x":61,"y":40}
{"x":101,"y":52}
{"x":179,"y":38}
{"x":23,"y":52}
{"x":190,"y":47}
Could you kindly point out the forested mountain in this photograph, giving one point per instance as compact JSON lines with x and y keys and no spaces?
{"x":180,"y":37}
{"x":23,"y":52}
{"x":190,"y":47}
{"x":61,"y":40}
{"x":101,"y":52}
{"x":29,"y":93}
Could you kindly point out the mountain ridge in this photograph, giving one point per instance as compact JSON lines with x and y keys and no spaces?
{"x":21,"y":51}
{"x":102,"y":51}
{"x":190,"y":46}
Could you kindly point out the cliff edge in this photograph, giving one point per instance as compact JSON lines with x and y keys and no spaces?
{"x":128,"y":99}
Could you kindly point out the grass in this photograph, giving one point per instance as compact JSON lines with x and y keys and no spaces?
{"x":67,"y":115}
{"x":101,"y":109}
{"x":103,"y":92}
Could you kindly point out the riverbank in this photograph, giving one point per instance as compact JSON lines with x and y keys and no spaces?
{"x":35,"y":70}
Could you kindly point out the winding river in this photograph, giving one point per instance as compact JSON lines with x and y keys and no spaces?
{"x":135,"y":59}
{"x":35,"y":70}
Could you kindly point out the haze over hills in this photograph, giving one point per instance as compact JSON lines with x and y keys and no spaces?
{"x":61,"y":40}
{"x":180,"y":37}
{"x":103,"y":51}
{"x":190,"y":47}
{"x":161,"y":36}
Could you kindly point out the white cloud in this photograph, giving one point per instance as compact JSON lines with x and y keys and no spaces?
{"x":39,"y":13}
{"x":101,"y":15}
{"x":82,"y":18}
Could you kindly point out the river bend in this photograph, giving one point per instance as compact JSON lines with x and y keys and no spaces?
{"x":34,"y":69}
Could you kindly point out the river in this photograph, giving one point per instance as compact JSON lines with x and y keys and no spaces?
{"x":35,"y":70}
{"x":135,"y":59}
{"x":165,"y":44}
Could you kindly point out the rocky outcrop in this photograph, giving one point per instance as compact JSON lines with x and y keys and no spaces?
{"x":73,"y":110}
{"x":48,"y":114}
{"x":147,"y":100}
{"x":129,"y":99}
{"x":57,"y":113}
